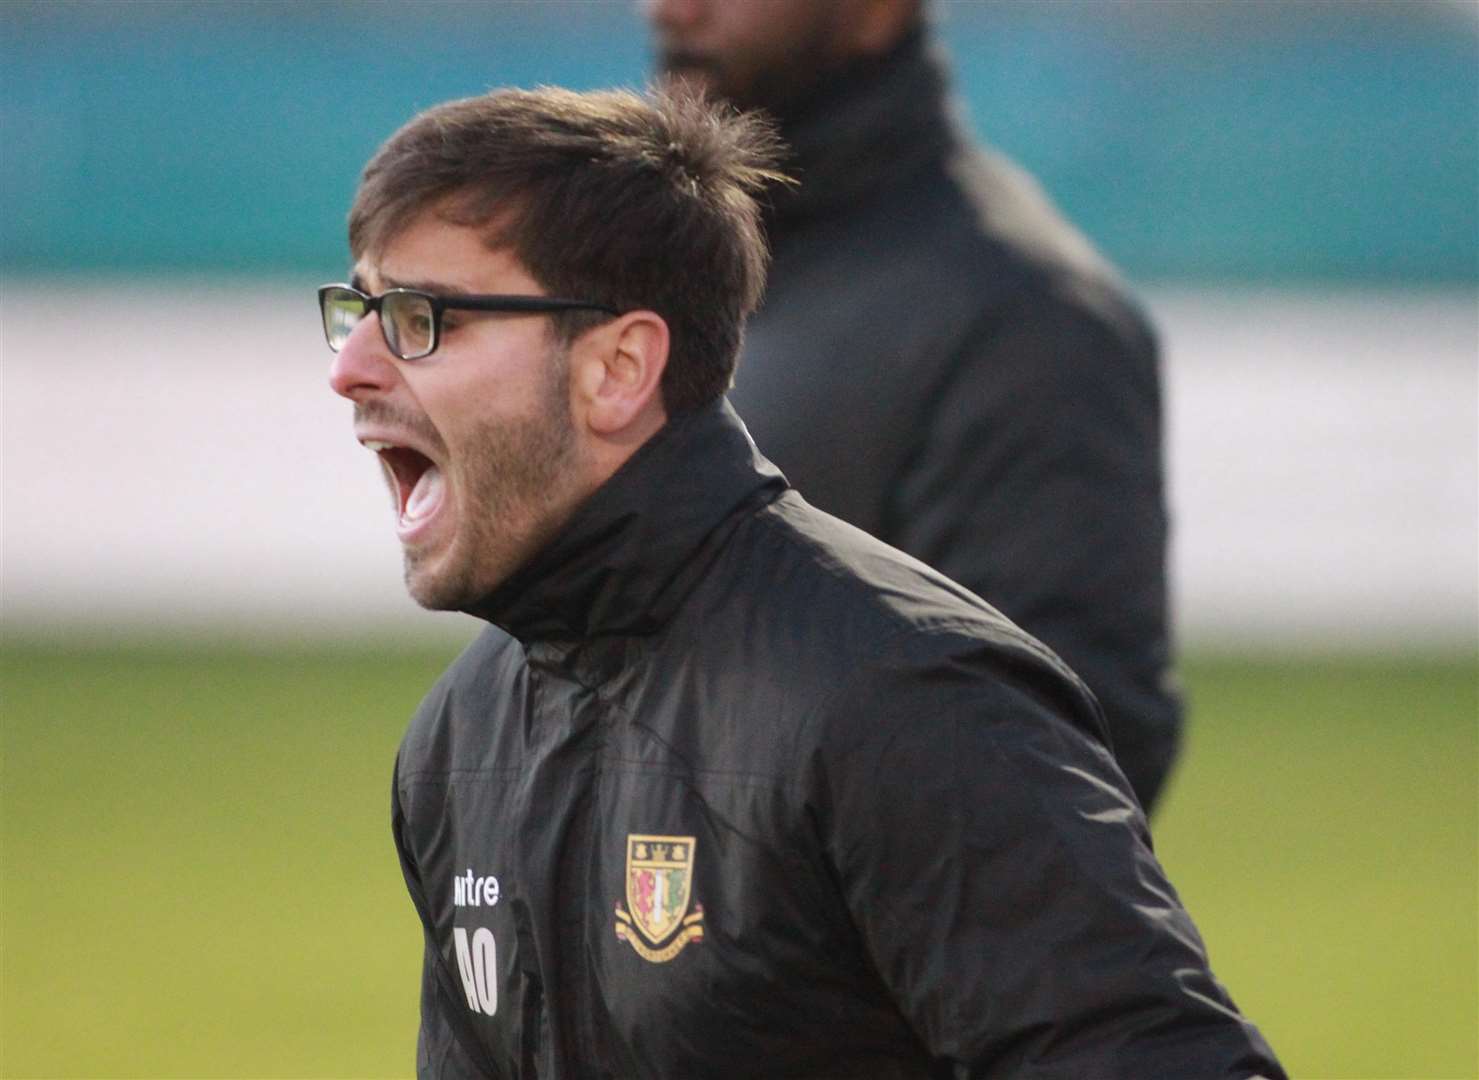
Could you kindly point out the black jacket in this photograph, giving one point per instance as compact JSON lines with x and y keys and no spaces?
{"x":750,"y":794}
{"x":944,"y":362}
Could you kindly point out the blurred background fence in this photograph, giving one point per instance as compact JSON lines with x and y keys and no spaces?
{"x":1293,"y":184}
{"x":207,"y":653}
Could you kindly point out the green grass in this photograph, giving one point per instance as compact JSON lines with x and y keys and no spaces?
{"x":198,"y":873}
{"x":198,"y":878}
{"x":1325,"y":834}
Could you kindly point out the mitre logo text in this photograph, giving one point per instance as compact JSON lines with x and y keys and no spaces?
{"x":468,"y":890}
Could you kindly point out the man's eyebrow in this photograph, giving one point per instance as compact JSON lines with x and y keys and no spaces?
{"x":357,"y":282}
{"x":436,"y":288}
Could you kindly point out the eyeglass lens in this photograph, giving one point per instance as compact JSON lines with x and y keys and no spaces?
{"x":342,"y":311}
{"x":406,"y":320}
{"x":409,"y":324}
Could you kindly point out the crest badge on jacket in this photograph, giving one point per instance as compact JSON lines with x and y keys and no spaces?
{"x":656,"y":921}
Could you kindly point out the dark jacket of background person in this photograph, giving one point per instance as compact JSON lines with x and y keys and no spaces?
{"x":902,"y":848}
{"x":943,"y":361}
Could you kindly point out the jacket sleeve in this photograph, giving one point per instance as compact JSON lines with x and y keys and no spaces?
{"x":1002,"y":881}
{"x":1037,"y":483}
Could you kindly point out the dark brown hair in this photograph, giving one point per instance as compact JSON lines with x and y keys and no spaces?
{"x":631,"y":201}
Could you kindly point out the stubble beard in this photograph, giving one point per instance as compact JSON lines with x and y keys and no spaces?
{"x":778,"y":80}
{"x":517,"y":481}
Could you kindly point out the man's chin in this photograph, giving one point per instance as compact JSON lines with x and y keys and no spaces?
{"x":437,"y":589}
{"x":711,"y":81}
{"x":692,"y":72}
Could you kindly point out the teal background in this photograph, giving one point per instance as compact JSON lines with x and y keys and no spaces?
{"x":1195,"y":141}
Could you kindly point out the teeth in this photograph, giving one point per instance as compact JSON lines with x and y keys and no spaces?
{"x":376,"y":445}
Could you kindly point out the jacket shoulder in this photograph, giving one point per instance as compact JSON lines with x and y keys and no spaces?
{"x":1011,"y":228}
{"x":986,"y":248}
{"x":842,"y":603}
{"x":477,"y":684}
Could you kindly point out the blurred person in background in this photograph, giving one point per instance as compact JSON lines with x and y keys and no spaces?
{"x":729,"y":788}
{"x":941,"y":359}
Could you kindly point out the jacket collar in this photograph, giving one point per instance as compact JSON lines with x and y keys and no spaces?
{"x":867,"y":129}
{"x":635,"y":548}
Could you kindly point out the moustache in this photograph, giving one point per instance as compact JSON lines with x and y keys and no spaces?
{"x":388,"y":415}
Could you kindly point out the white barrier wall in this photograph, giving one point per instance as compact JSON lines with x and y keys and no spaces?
{"x":173,"y":456}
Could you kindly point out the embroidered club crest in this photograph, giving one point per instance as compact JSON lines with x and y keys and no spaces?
{"x":656,"y":921}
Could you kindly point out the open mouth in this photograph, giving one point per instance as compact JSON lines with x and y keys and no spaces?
{"x":416,"y":479}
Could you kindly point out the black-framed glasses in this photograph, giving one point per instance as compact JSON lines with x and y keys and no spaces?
{"x":411,"y":320}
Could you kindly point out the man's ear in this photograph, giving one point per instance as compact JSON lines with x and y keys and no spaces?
{"x":616,"y":373}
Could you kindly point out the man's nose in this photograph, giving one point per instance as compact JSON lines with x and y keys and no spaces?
{"x":364,"y":366}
